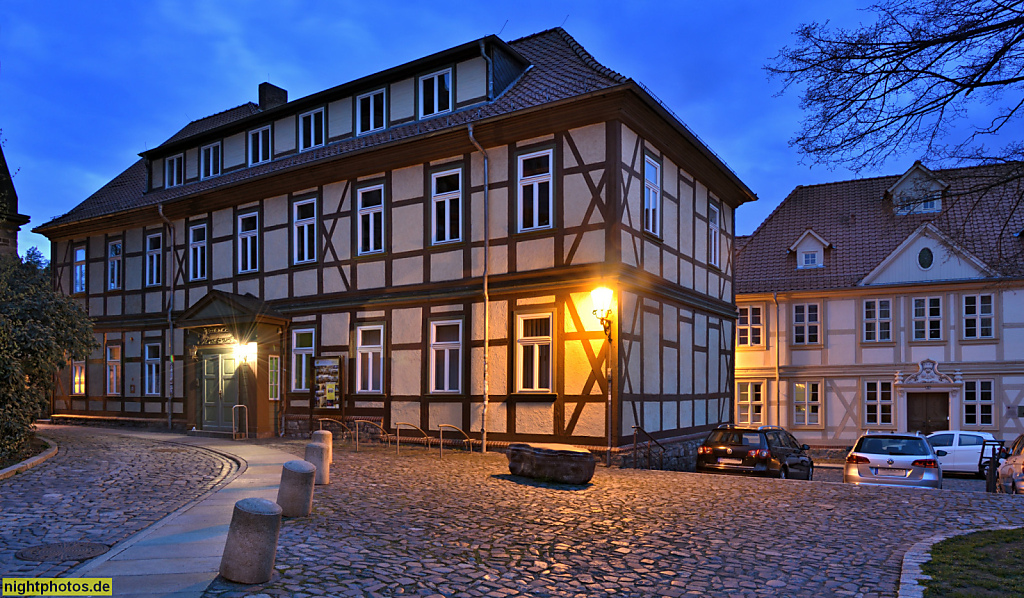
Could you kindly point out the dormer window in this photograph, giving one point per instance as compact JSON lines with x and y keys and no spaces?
{"x":810,"y":250}
{"x":809,"y":259}
{"x":259,"y":146}
{"x":370,"y":114}
{"x":436,"y":93}
{"x":311,"y":129}
{"x":174,"y":170}
{"x":918,"y":191}
{"x":210,"y":161}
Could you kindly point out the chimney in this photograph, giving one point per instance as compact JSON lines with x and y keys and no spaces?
{"x":272,"y":96}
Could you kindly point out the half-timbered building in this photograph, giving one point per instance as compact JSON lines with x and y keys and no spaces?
{"x":332,"y":257}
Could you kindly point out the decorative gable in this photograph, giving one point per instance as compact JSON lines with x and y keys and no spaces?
{"x":918,"y":191}
{"x":810,"y":250}
{"x":927,"y":255}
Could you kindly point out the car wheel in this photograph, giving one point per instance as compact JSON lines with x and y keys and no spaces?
{"x":810,"y":473}
{"x":783,"y":474}
{"x":1013,"y":487}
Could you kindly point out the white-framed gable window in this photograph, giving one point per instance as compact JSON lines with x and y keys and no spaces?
{"x":652,"y":196}
{"x":535,"y":191}
{"x":979,"y":403}
{"x":714,"y":236}
{"x":304,"y":233}
{"x":810,"y":259}
{"x":749,"y":404}
{"x":369,"y":358}
{"x":371,"y":112}
{"x":805,"y":324}
{"x":248,"y":242}
{"x":446,"y":193}
{"x":197,"y":252}
{"x":259,"y":146}
{"x":311,"y":129}
{"x":750,"y":327}
{"x":533,"y":352}
{"x":209,"y":161}
{"x":878,"y":403}
{"x":113,"y":370}
{"x":151,"y":381}
{"x":302,"y":358}
{"x":978,"y":316}
{"x":114,"y":265}
{"x":174,"y":170}
{"x":927,"y":318}
{"x":78,"y":273}
{"x":436,"y":93}
{"x":877,"y":320}
{"x":806,"y":403}
{"x":154,"y":259}
{"x":78,"y":377}
{"x":446,"y":356}
{"x":371,"y":220}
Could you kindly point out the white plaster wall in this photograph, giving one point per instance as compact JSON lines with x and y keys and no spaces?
{"x":409,"y":228}
{"x":498,"y":199}
{"x":535,"y":418}
{"x":370,"y":274}
{"x":407,"y":271}
{"x":234,"y":150}
{"x":446,"y":266}
{"x":407,"y":325}
{"x":402,"y":100}
{"x":445,"y":413}
{"x":192,"y":163}
{"x":470,"y":79}
{"x":590,"y":143}
{"x":339,"y":114}
{"x":275,"y":211}
{"x":223,"y":223}
{"x":284,"y":135}
{"x":305,"y":283}
{"x":946,"y":264}
{"x":405,"y":411}
{"x":498,"y":320}
{"x":535,"y":254}
{"x":405,"y":372}
{"x":591,"y":421}
{"x":276,"y":252}
{"x":497,"y":417}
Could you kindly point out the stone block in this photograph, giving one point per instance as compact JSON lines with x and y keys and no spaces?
{"x":551,"y":462}
{"x":317,"y":454}
{"x":252,"y":541}
{"x":326,"y":437}
{"x":295,"y":494}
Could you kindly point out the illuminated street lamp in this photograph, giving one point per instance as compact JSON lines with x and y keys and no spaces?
{"x":601,"y":297}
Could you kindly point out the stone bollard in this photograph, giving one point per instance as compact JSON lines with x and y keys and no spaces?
{"x":252,"y":541}
{"x":316,"y":453}
{"x":295,"y":494}
{"x":326,"y":437}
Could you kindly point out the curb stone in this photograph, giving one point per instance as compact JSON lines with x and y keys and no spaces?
{"x":28,"y":464}
{"x":920,"y":553}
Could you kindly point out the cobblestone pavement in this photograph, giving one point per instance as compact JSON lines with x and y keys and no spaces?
{"x":956,"y":481}
{"x":100,"y":487}
{"x":462,"y":526}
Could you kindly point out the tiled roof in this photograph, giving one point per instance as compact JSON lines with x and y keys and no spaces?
{"x":560,"y":69}
{"x":981,"y":211}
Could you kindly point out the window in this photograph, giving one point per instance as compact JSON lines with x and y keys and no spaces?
{"x":311,"y":129}
{"x":369,"y":358}
{"x":151,"y":383}
{"x":248,"y":243}
{"x":113,"y":370}
{"x":533,"y":352}
{"x":652,"y":197}
{"x":809,"y":259}
{"x":259,"y":146}
{"x":79,"y":270}
{"x":302,"y":359}
{"x":877,"y":321}
{"x":114,"y":265}
{"x":445,"y":356}
{"x":979,"y":403}
{"x":447,"y":200}
{"x":78,"y":377}
{"x":805,"y":324}
{"x":209,"y":161}
{"x":436,"y":93}
{"x":371,"y":220}
{"x":305,"y":231}
{"x":174,"y":170}
{"x":978,"y":316}
{"x":750,"y":329}
{"x":749,"y":404}
{"x":154,"y":259}
{"x":370,"y":115}
{"x":925,"y":258}
{"x":878,"y":403}
{"x":197,"y":252}
{"x":274,"y":373}
{"x":806,"y":403}
{"x":928,"y":318}
{"x":714,"y":236}
{"x":535,"y":191}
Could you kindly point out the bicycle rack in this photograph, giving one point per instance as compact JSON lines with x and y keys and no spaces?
{"x":235,"y":433}
{"x":398,"y":434}
{"x":321,"y":420}
{"x":384,"y":433}
{"x":440,"y":432}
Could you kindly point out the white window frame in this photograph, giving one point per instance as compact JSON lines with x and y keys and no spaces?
{"x":154,"y":260}
{"x":804,"y":326}
{"x":274,"y":377}
{"x":210,"y":159}
{"x":248,"y":244}
{"x":115,"y":265}
{"x":750,"y":403}
{"x":534,"y":182}
{"x":876,"y":324}
{"x":446,"y":200}
{"x":113,"y":370}
{"x":304,"y":239}
{"x":652,"y":197}
{"x":714,"y":236}
{"x":151,"y":372}
{"x":369,"y":97}
{"x":879,"y":395}
{"x":374,"y":355}
{"x":197,"y":250}
{"x":78,"y":272}
{"x":316,"y":132}
{"x":78,"y":378}
{"x":435,"y":109}
{"x":535,"y":345}
{"x":809,"y":259}
{"x":174,"y":171}
{"x":302,"y":360}
{"x":979,"y":318}
{"x":256,"y":150}
{"x":446,"y":354}
{"x":979,"y":394}
{"x":749,"y":325}
{"x":367,"y":217}
{"x":807,"y":402}
{"x":926,"y":320}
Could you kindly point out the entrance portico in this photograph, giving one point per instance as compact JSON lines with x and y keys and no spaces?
{"x":928,"y":400}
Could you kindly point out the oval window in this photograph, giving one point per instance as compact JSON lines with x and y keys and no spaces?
{"x":925,"y":257}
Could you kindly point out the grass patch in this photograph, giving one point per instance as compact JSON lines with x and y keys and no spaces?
{"x":31,"y":449}
{"x":977,"y":565}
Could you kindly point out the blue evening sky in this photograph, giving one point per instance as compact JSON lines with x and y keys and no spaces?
{"x":86,"y":86}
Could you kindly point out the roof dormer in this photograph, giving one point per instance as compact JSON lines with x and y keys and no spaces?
{"x":810,"y":250}
{"x":918,"y":191}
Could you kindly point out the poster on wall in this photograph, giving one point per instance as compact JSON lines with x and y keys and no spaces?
{"x":327,"y":393}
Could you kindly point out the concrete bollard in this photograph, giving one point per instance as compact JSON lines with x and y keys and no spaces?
{"x":326,"y":437}
{"x":252,"y":541}
{"x":295,"y":494}
{"x":316,"y":453}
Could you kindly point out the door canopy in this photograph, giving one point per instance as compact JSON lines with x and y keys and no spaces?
{"x":238,"y":315}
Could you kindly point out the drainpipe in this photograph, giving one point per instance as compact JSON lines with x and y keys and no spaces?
{"x":778,"y":393}
{"x":170,"y":322}
{"x":490,"y":82}
{"x":487,"y":296}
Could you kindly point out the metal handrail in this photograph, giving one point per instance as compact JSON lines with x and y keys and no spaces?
{"x":650,"y":439}
{"x":384,"y":432}
{"x":235,"y":427}
{"x":398,"y":434}
{"x":440,"y":433}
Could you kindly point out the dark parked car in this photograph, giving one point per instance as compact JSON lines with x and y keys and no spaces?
{"x":765,"y":451}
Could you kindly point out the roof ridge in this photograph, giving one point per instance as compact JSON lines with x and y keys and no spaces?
{"x":588,"y":58}
{"x":250,"y":103}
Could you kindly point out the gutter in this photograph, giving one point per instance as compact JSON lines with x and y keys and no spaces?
{"x":778,"y":393}
{"x":170,"y":321}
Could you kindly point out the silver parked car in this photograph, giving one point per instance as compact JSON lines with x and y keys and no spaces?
{"x":893,"y":459}
{"x":1010,"y":477}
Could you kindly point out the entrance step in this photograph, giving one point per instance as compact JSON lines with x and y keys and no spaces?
{"x":210,"y":433}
